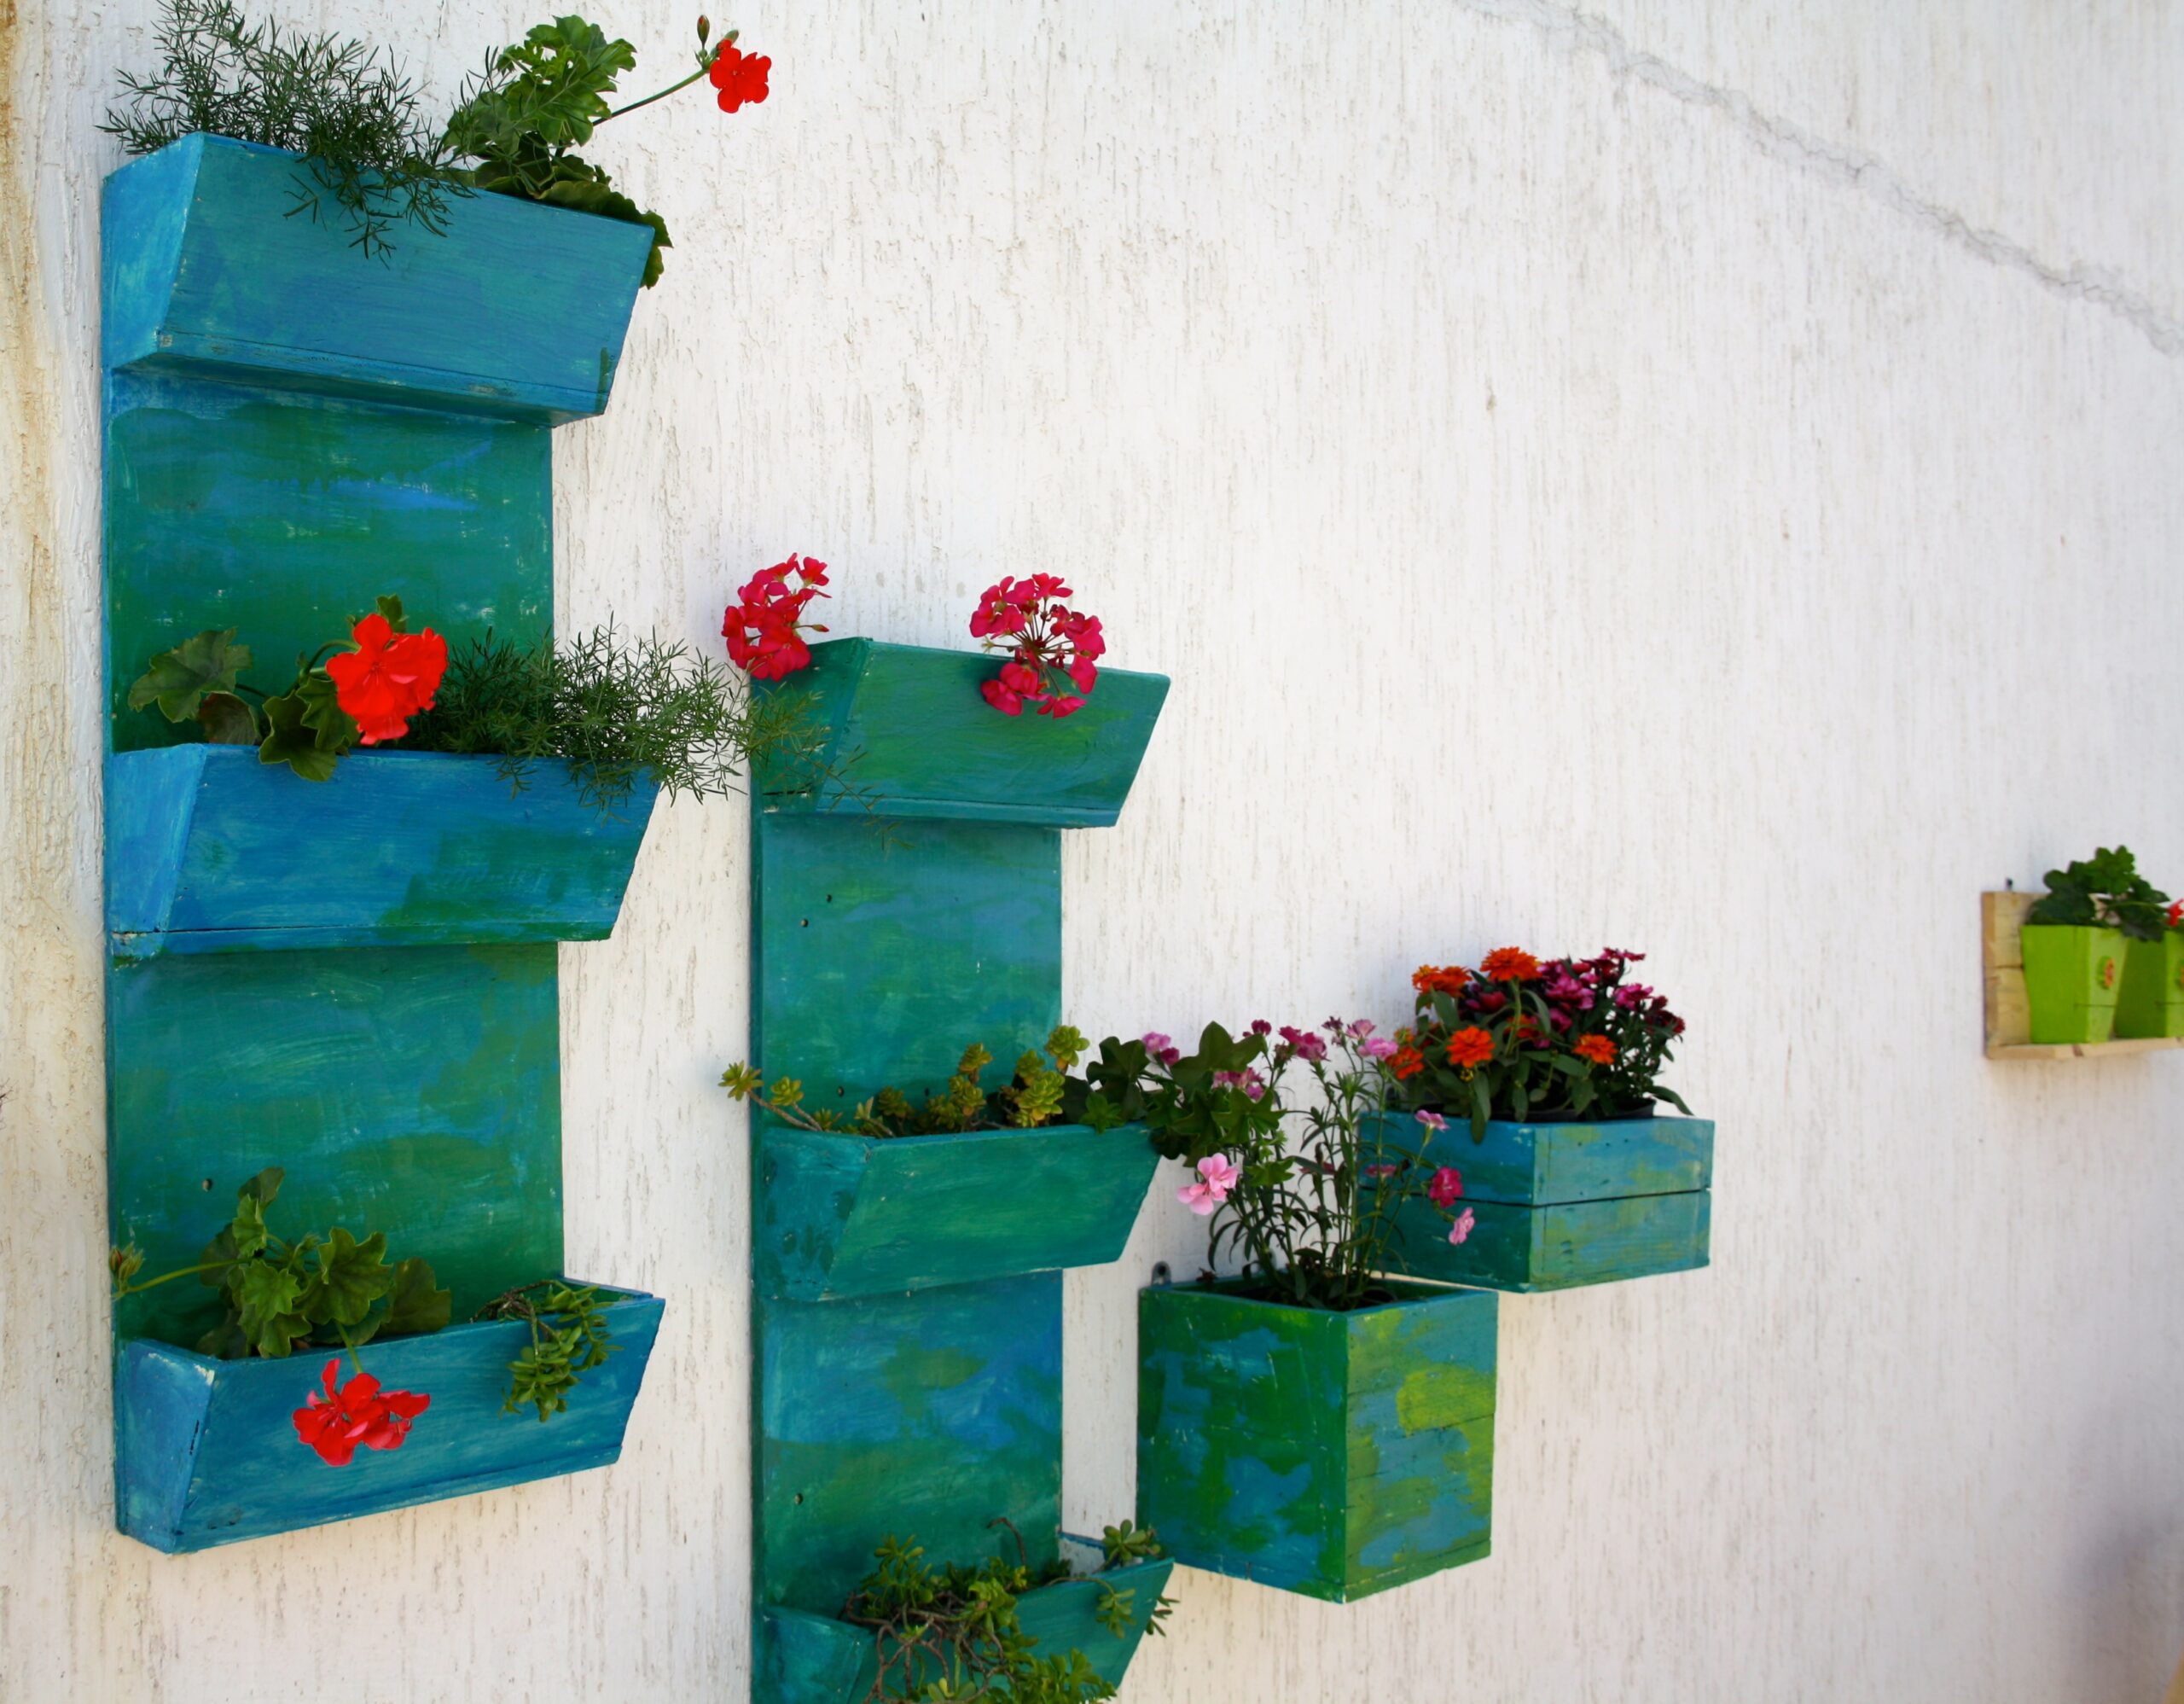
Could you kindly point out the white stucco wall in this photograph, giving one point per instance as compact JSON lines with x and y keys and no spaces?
{"x":1697,"y":476}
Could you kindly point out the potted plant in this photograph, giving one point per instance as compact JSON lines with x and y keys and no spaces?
{"x":1553,"y":1068}
{"x":969,"y":1183}
{"x":1308,"y":1422}
{"x":2075,"y":938}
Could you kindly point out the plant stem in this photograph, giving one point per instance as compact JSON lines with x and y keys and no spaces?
{"x":673,"y":88}
{"x":131,"y":1290}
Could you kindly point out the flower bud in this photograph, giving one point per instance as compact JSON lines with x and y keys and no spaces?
{"x":705,"y":28}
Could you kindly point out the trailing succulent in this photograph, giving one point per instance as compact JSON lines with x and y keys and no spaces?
{"x":2105,"y":890}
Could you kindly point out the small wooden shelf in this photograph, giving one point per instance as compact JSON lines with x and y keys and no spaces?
{"x":2008,"y":1017}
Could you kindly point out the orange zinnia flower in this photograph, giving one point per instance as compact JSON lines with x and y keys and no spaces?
{"x":1510,"y":964}
{"x":1439,"y":979}
{"x":1470,"y":1047}
{"x":1596,"y":1048}
{"x":1407,"y":1063}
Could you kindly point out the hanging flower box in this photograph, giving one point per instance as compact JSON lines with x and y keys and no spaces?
{"x":208,"y":850}
{"x":841,"y":1215}
{"x":2150,"y":997}
{"x":908,"y":732}
{"x":1331,"y":1454}
{"x":517,"y":309}
{"x":1556,"y":1205}
{"x":808,"y":1659}
{"x":207,"y":1452}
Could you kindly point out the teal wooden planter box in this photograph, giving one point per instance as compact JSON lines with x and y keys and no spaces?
{"x":206,"y":1452}
{"x":1557,"y":1206}
{"x":516,"y":310}
{"x":807,"y":1659}
{"x":208,"y":850}
{"x":925,"y":744}
{"x":1335,"y":1455}
{"x":2150,"y":999}
{"x":857,"y":1215}
{"x":2072,"y":979}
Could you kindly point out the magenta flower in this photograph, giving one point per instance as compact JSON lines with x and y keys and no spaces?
{"x":1446,"y":1185}
{"x":1431,"y":1120}
{"x":1362,"y":1028}
{"x":1461,"y":1228}
{"x":1380,"y":1047}
{"x":1261,"y":1026}
{"x":1308,"y":1046}
{"x":1383,"y":1170}
{"x":1216,"y":1176}
{"x":1161,"y":1047}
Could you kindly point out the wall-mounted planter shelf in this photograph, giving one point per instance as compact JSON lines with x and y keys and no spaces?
{"x":908,"y":726}
{"x":1335,"y":1455}
{"x":517,"y":309}
{"x":851,"y":1215}
{"x":208,"y":850}
{"x":355,"y":980}
{"x":2007,"y":1014}
{"x":208,"y":1453}
{"x":1557,"y":1206}
{"x":807,"y":1659}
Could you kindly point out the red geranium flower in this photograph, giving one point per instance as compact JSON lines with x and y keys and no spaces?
{"x":358,"y":1412}
{"x":1470,"y":1047}
{"x":739,"y":77}
{"x":388,"y":678}
{"x":1596,"y":1048}
{"x":765,"y":630}
{"x":1046,"y":642}
{"x":1508,"y":964}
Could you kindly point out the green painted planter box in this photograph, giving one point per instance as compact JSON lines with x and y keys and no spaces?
{"x":2072,"y":977}
{"x":2150,"y":1001}
{"x":807,"y":1659}
{"x":1335,"y":1455}
{"x":859,"y":1215}
{"x":907,"y":727}
{"x":1557,"y":1206}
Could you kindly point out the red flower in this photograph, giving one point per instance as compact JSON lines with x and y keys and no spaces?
{"x":1596,"y":1048}
{"x":1008,"y":690}
{"x":358,"y":1412}
{"x":1508,"y":964}
{"x":1407,"y":1063}
{"x":1046,"y":642}
{"x":1446,"y":1185}
{"x":2176,"y":914}
{"x":388,"y":678}
{"x":739,"y":77}
{"x":1470,"y":1047}
{"x":764,"y":630}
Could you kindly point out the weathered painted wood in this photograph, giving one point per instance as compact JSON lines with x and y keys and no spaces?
{"x":517,"y":309}
{"x":211,"y":851}
{"x":807,"y":1659}
{"x":207,"y":1452}
{"x":930,"y":1414}
{"x":1540,"y":1163}
{"x":1335,"y":1455}
{"x":849,"y":1215}
{"x":907,"y":726}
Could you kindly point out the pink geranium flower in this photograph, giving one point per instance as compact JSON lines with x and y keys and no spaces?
{"x":1216,"y":1177}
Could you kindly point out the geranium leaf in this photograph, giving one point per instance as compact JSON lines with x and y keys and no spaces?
{"x":391,"y":608}
{"x":178,"y":679}
{"x":418,"y":1303}
{"x":266,"y":1299}
{"x":226,"y":720}
{"x":351,"y":1276}
{"x":291,"y":742}
{"x":322,"y":701}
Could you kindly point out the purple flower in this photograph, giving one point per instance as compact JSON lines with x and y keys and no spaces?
{"x":1157,"y":1043}
{"x":1563,"y":989}
{"x":1261,"y":1026}
{"x":1632,"y":994}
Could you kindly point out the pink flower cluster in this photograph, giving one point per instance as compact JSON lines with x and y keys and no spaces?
{"x":1046,"y":641}
{"x":764,"y":628}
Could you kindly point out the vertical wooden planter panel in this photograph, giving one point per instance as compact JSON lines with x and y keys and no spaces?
{"x":1335,"y":1455}
{"x":906,"y":1304}
{"x":1557,"y":1206}
{"x":356,"y":979}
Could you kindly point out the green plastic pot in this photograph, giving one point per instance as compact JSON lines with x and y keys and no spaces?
{"x":2072,"y":977}
{"x":2150,"y":1001}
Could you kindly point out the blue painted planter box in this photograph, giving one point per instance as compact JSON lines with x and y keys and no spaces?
{"x":1557,"y":1206}
{"x":1335,"y":1455}
{"x":206,"y":1452}
{"x":806,"y":1659}
{"x":925,"y":744}
{"x":517,"y":309}
{"x":208,"y":850}
{"x":855,"y":1215}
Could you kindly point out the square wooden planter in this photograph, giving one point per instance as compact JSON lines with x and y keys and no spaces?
{"x":807,"y":1659}
{"x":907,"y":725}
{"x":208,"y":850}
{"x":206,"y":1452}
{"x":1335,"y":1455}
{"x":859,"y":1215}
{"x":516,"y":310}
{"x":1557,"y":1206}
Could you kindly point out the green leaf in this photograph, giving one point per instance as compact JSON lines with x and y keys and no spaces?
{"x":266,"y":1296}
{"x":391,"y":608}
{"x":248,"y":1230}
{"x":418,"y":1305}
{"x":337,"y":729}
{"x":226,"y":720}
{"x":293,"y":743}
{"x":224,"y":1341}
{"x":351,"y":1276}
{"x":178,"y":679}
